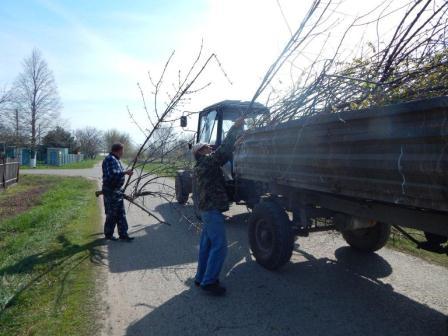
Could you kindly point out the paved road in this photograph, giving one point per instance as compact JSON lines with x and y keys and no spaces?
{"x":327,"y":289}
{"x":94,"y":173}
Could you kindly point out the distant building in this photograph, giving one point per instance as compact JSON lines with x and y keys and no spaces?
{"x":60,"y":157}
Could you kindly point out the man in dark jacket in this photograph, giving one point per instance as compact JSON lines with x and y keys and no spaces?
{"x":113,"y":181}
{"x":213,"y":200}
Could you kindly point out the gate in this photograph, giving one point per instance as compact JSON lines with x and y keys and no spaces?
{"x":9,"y":172}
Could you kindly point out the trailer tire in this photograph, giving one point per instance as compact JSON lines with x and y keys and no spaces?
{"x":182,"y":186}
{"x":368,"y":239}
{"x":271,"y":236}
{"x":435,"y":239}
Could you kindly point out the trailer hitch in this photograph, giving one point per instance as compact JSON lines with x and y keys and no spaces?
{"x":427,"y":246}
{"x":305,"y":231}
{"x":407,"y":235}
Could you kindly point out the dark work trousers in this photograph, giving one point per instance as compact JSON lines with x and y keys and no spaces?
{"x":115,"y":213}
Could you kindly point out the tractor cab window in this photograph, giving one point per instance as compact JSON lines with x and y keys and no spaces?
{"x":226,"y":125}
{"x":209,"y":128}
{"x":228,"y":120}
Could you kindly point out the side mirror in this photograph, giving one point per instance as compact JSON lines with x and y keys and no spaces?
{"x":183,"y":121}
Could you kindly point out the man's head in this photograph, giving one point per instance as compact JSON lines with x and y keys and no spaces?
{"x":201,"y":149}
{"x":117,"y":149}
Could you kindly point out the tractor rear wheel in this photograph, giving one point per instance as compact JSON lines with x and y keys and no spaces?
{"x":271,"y":235}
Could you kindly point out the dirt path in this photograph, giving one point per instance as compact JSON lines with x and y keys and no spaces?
{"x":327,"y":289}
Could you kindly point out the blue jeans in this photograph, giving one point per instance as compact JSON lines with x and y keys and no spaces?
{"x":212,"y":247}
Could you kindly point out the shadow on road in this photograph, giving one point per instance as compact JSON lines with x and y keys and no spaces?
{"x":165,"y":246}
{"x":315,"y":296}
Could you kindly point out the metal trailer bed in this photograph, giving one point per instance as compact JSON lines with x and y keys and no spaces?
{"x":388,"y":164}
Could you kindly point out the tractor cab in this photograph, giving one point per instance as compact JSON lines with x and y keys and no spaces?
{"x":214,"y":123}
{"x":216,"y":120}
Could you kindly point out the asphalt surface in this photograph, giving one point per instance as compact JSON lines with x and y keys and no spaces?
{"x":92,"y":173}
{"x":326,"y":289}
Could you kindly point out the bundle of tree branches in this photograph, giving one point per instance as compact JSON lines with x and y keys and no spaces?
{"x":409,"y":63}
{"x":162,"y":151}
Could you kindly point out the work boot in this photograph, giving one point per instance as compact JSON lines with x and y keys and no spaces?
{"x":198,"y":284}
{"x":113,"y":238}
{"x":126,"y":238}
{"x":214,"y":289}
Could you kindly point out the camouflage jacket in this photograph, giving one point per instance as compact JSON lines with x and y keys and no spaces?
{"x":209,"y":178}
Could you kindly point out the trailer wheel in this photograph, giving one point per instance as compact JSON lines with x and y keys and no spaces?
{"x":182,"y":186}
{"x":368,"y":239}
{"x":271,"y":235}
{"x":435,"y":239}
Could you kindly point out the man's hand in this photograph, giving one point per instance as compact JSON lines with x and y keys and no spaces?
{"x":239,"y":122}
{"x":239,"y":140}
{"x":129,"y":172}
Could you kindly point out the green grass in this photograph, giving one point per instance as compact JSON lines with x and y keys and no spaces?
{"x":164,"y":169}
{"x":398,"y":242}
{"x":25,"y":185}
{"x":47,"y":260}
{"x":76,"y":165}
{"x":160,"y":169}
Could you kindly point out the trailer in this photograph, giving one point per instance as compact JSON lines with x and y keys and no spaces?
{"x":359,"y":172}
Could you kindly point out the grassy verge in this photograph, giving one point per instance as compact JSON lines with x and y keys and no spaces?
{"x":398,"y":242}
{"x":75,"y":165}
{"x":47,"y":257}
{"x":164,"y":169}
{"x":161,"y":169}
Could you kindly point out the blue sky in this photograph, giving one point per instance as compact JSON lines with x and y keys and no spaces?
{"x":99,"y":50}
{"x":95,"y":48}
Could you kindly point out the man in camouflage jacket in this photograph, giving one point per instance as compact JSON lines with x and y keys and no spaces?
{"x":213,"y":200}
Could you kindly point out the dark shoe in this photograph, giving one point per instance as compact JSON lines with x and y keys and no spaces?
{"x":113,"y":238}
{"x":126,"y":238}
{"x":198,"y":284}
{"x":214,"y":289}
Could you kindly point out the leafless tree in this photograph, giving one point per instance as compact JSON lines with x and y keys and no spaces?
{"x":181,"y":151}
{"x":171,"y":92}
{"x":163,"y":140}
{"x":4,"y":109}
{"x":36,"y":96}
{"x":11,"y":121}
{"x":410,"y":63}
{"x":342,"y":74}
{"x":5,"y":97}
{"x":90,"y":140}
{"x":113,"y":136}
